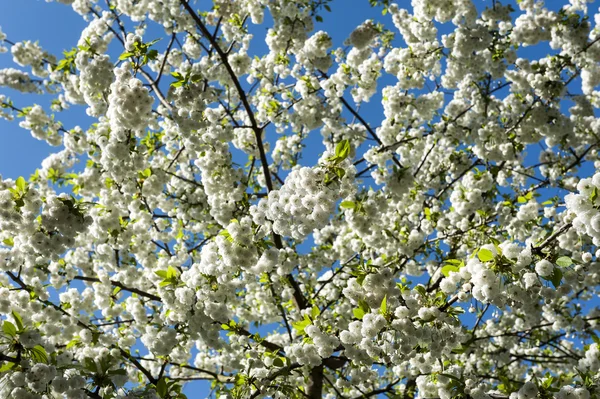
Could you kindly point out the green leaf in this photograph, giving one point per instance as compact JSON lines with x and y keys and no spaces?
{"x":162,"y":388}
{"x":161,"y":273}
{"x":38,"y":353}
{"x":348,"y":205}
{"x":299,"y":326}
{"x":117,"y":372}
{"x":358,"y":313}
{"x":152,"y":54}
{"x":383,"y":306}
{"x":449,"y":268}
{"x":427,"y":212}
{"x":364,"y":305}
{"x":452,"y":265}
{"x":18,"y":320}
{"x":496,"y":245}
{"x":9,"y":242}
{"x":485,"y":255}
{"x":594,"y":195}
{"x":125,"y":55}
{"x":7,"y":367}
{"x":564,"y":261}
{"x":529,"y":195}
{"x":74,"y":342}
{"x":315,"y":311}
{"x":154,"y":42}
{"x":172,"y":272}
{"x":21,"y":185}
{"x":277,"y":362}
{"x":521,"y":199}
{"x":342,"y":150}
{"x":555,"y":278}
{"x":226,"y":234}
{"x":9,"y":329}
{"x":421,"y":290}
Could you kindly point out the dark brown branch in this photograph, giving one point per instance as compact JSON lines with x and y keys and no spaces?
{"x":121,"y":286}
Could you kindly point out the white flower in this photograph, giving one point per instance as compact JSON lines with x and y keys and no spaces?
{"x":544,"y":268}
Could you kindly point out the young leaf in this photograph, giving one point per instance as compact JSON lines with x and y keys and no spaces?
{"x":152,"y":54}
{"x":117,"y":372}
{"x":315,"y":311}
{"x":162,"y":388}
{"x":342,"y":150}
{"x":594,"y":195}
{"x":364,"y":305}
{"x":564,"y":261}
{"x":427,"y":212}
{"x":9,"y":329}
{"x":556,"y":277}
{"x":421,"y":290}
{"x":21,"y":185}
{"x":485,"y":255}
{"x":358,"y":313}
{"x":172,"y":272}
{"x":7,"y":367}
{"x":161,"y":273}
{"x":383,"y":306}
{"x":38,"y":353}
{"x":348,"y":205}
{"x":299,"y":326}
{"x":449,"y":268}
{"x":125,"y":55}
{"x":18,"y":320}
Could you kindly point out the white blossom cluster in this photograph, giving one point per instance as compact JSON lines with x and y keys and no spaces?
{"x":3,"y":49}
{"x":304,"y":203}
{"x":95,"y":77}
{"x":31,"y":54}
{"x":130,"y":104}
{"x":362,"y":36}
{"x":583,"y":206}
{"x":41,"y":125}
{"x":18,"y":80}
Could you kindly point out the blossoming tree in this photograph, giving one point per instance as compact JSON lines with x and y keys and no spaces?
{"x":183,"y":237}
